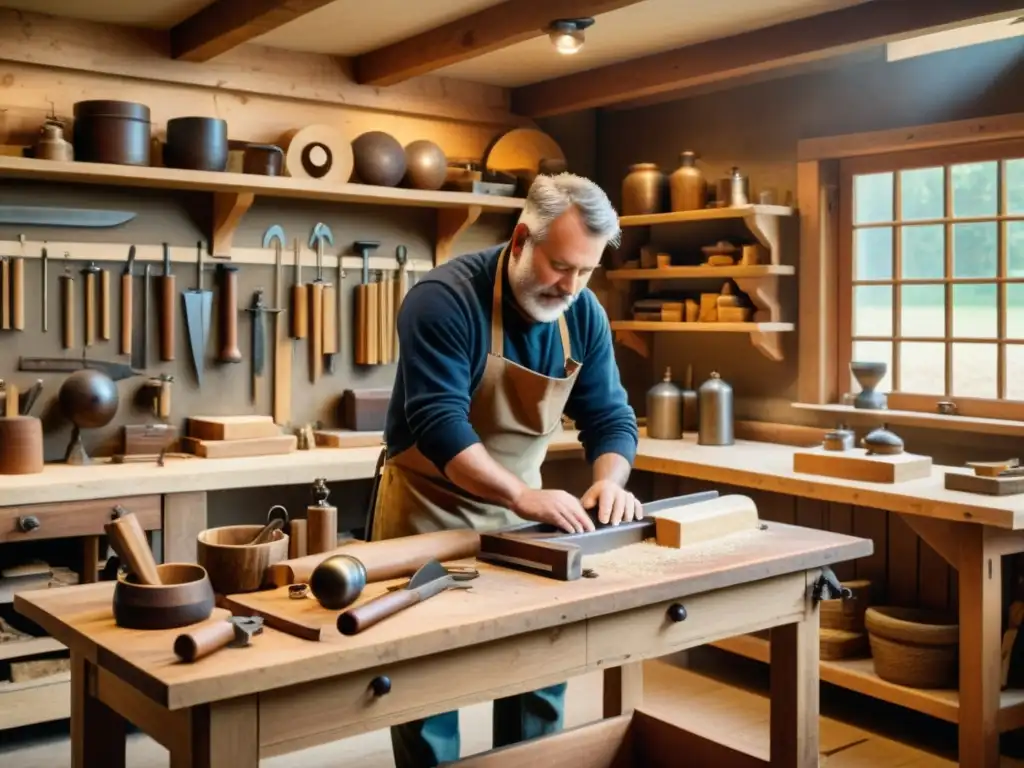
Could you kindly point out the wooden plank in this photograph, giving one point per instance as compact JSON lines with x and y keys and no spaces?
{"x":38,"y":701}
{"x":227,"y":24}
{"x":795,"y":42}
{"x":487,"y":30}
{"x":858,"y":464}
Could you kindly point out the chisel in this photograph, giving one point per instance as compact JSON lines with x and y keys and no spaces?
{"x":167,"y":298}
{"x":90,"y":271}
{"x":126,"y":303}
{"x":67,"y":301}
{"x":18,"y":293}
{"x":104,"y":304}
{"x":147,"y":288}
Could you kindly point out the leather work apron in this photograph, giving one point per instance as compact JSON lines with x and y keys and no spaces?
{"x":515,"y":412}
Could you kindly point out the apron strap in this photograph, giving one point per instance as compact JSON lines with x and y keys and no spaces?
{"x":497,"y":326}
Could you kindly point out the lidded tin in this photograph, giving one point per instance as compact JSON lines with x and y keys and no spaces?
{"x":665,"y":409}
{"x":715,"y":412}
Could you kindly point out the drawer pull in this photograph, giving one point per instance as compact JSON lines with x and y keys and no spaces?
{"x":381,"y":685}
{"x":28,"y":523}
{"x":677,"y":612}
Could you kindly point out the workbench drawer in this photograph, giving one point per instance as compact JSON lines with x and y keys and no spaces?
{"x":69,"y":519}
{"x":636,"y":740}
{"x":675,"y":625}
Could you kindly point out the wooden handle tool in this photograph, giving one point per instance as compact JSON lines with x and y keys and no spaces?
{"x":402,"y":288}
{"x":204,"y":640}
{"x":229,"y":351}
{"x":168,"y":295}
{"x":267,"y":531}
{"x":300,"y":314}
{"x":90,"y":271}
{"x":129,"y":542}
{"x":104,"y":305}
{"x":362,"y":617}
{"x":67,"y":303}
{"x":329,"y":321}
{"x":10,"y":401}
{"x":126,"y":304}
{"x":297,"y":539}
{"x":316,"y":331}
{"x":360,"y":335}
{"x":5,"y":293}
{"x":18,"y":294}
{"x":372,"y":314}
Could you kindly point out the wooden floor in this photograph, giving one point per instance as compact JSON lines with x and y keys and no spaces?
{"x":718,"y":695}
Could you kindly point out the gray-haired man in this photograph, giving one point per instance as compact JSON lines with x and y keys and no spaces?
{"x":495,"y":347}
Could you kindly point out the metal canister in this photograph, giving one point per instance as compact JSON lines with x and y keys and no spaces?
{"x":715,"y":412}
{"x":665,"y":409}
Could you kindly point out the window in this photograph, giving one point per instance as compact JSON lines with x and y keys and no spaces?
{"x":931,"y":274}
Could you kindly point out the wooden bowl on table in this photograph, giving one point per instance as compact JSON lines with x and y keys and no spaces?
{"x":235,"y":565}
{"x":183,"y":597}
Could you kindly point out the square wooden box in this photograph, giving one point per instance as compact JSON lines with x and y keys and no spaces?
{"x":855,"y":464}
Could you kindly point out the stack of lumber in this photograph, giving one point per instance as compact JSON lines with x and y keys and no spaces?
{"x":232,"y":437}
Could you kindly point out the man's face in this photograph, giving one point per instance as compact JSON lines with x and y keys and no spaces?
{"x":547,"y":277}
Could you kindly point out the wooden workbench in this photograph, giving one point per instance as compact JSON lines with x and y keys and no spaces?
{"x":511,"y":632}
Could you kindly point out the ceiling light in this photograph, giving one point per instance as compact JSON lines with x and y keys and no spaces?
{"x":567,"y":34}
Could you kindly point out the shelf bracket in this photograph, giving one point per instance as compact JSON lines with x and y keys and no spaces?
{"x":765,"y":228}
{"x":769,"y":344}
{"x":634,"y":341}
{"x":228,"y":210}
{"x":763,"y":293}
{"x":452,"y":222}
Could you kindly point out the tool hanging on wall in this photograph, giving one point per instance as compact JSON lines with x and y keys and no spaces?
{"x":147,"y":292}
{"x":341,"y":302}
{"x":46,"y":290}
{"x":89,"y":271}
{"x":18,"y":288}
{"x":322,"y":307}
{"x":198,"y":310}
{"x":47,"y":216}
{"x":161,"y":386}
{"x":259,"y":309}
{"x":127,"y":291}
{"x":67,"y":303}
{"x":116,"y":371}
{"x":300,"y":313}
{"x":385,"y":294}
{"x":229,"y":351}
{"x":104,"y":305}
{"x":167,"y":291}
{"x":5,"y":293}
{"x":364,"y":319}
{"x":401,"y":288}
{"x":282,"y":344}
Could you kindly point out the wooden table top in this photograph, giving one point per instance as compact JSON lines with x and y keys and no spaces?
{"x":501,"y":604}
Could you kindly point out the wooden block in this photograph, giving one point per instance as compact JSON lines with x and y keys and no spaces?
{"x":855,"y":464}
{"x":364,"y":410}
{"x":705,"y":520}
{"x":990,"y":486}
{"x":347,"y":438}
{"x":234,"y":449}
{"x":149,"y":438}
{"x":232,"y":427}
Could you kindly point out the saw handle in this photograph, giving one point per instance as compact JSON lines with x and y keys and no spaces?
{"x":167,"y":296}
{"x":229,"y":351}
{"x":126,"y":314}
{"x":201,"y":642}
{"x":355,"y":620}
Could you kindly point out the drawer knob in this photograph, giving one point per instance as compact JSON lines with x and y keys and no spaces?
{"x":677,"y":612}
{"x":28,"y":523}
{"x":381,"y":685}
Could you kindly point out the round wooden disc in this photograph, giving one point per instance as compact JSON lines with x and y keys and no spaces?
{"x":520,"y":150}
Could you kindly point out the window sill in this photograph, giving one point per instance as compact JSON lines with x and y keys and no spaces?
{"x":940,"y":421}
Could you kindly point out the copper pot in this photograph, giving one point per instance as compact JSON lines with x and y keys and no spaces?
{"x":643,"y":190}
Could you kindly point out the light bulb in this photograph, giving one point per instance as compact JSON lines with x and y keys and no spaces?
{"x":567,"y":42}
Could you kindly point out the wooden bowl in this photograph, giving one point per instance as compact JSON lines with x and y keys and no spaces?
{"x":235,"y":566}
{"x":185,"y":597}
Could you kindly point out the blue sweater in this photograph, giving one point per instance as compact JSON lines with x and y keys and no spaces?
{"x":444,"y":333}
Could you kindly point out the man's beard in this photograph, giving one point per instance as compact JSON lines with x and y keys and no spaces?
{"x":540,"y":304}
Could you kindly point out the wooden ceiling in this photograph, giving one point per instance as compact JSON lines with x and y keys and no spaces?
{"x":637,"y":49}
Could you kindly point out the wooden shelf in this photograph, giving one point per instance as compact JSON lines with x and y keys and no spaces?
{"x":859,"y":675}
{"x":707,"y":214}
{"x":234,"y":193}
{"x":701,"y":272}
{"x":35,"y":701}
{"x":922,"y":419}
{"x":33,"y":647}
{"x":763,"y":335}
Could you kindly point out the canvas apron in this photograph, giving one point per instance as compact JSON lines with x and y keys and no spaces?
{"x":515,"y":412}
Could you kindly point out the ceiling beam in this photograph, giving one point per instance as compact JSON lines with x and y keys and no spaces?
{"x":227,"y":24}
{"x":783,"y":45}
{"x":488,"y":30}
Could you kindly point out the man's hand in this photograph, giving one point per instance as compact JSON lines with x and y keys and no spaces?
{"x":613,"y":502}
{"x":556,"y":508}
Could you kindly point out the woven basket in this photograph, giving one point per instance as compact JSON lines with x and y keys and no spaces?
{"x":914,"y":647}
{"x":847,"y":615}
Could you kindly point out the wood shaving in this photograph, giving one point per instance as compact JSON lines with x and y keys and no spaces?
{"x":647,"y":558}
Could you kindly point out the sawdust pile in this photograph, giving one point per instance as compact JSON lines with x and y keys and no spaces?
{"x":648,"y":558}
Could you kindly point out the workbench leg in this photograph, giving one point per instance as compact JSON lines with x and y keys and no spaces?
{"x":224,"y":733}
{"x":97,"y":731}
{"x":980,"y":582}
{"x":794,"y":693}
{"x":623,"y":688}
{"x":183,"y":519}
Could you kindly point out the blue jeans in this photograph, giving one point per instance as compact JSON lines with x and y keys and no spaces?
{"x":435,"y":740}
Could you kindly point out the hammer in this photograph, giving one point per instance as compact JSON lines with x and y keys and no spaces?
{"x":327,"y":311}
{"x":236,"y":632}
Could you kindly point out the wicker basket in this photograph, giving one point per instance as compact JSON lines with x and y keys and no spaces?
{"x":913,"y":647}
{"x":847,"y":615}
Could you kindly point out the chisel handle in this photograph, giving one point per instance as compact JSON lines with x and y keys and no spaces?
{"x":5,"y":294}
{"x":126,"y":314}
{"x":18,"y":294}
{"x":104,"y":305}
{"x":167,"y":296}
{"x":300,"y":311}
{"x":67,"y":302}
{"x":329,"y":320}
{"x":316,"y":331}
{"x":362,"y":617}
{"x":90,"y":309}
{"x":229,"y":351}
{"x":201,"y":642}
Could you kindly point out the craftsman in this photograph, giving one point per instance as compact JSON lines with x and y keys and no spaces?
{"x":495,"y":347}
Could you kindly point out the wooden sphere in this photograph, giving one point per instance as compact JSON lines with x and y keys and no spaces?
{"x":426,"y":165}
{"x":89,"y":398}
{"x":21,"y":445}
{"x":379,"y":159}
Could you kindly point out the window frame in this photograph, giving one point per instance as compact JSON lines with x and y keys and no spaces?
{"x":943,"y":155}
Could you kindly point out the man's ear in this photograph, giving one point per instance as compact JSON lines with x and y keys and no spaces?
{"x":519,"y":237}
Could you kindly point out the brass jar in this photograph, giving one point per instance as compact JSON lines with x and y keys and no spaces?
{"x":688,"y":188}
{"x":643,"y":190}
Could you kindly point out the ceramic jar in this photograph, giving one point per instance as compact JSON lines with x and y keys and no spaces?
{"x":643,"y":190}
{"x":687,"y":185}
{"x":52,"y":145}
{"x":664,"y":409}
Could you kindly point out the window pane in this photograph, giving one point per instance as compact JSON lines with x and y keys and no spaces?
{"x":1015,"y":371}
{"x":924,"y":251}
{"x":975,"y":250}
{"x":923,"y":367}
{"x":1015,"y":311}
{"x":873,"y":352}
{"x":1015,"y":186}
{"x":923,"y":310}
{"x":975,"y":370}
{"x":872,"y":253}
{"x":975,"y":189}
{"x":974,"y":311}
{"x":872,"y":310}
{"x":872,"y":198}
{"x":922,"y":194}
{"x":1015,"y":249}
